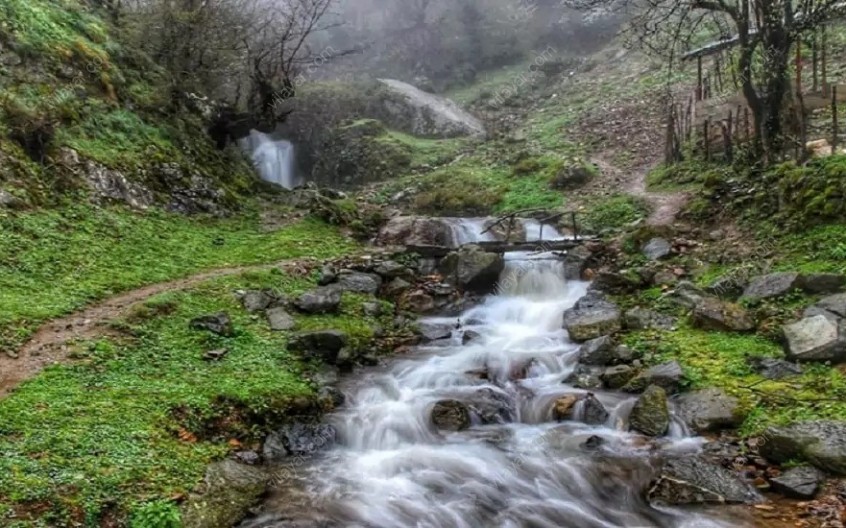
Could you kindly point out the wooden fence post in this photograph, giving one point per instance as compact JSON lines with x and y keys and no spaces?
{"x":707,"y":139}
{"x":834,"y":119}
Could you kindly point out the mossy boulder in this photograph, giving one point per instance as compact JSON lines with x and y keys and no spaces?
{"x":227,"y":493}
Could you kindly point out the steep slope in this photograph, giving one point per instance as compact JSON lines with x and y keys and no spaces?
{"x":81,"y":109}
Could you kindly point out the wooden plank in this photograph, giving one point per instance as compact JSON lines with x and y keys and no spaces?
{"x":503,"y":247}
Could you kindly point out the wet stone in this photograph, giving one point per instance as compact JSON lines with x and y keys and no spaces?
{"x":801,"y":483}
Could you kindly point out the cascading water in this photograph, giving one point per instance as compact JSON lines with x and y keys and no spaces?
{"x":393,"y":468}
{"x":274,"y":159}
{"x":535,"y":231}
{"x":468,"y":230}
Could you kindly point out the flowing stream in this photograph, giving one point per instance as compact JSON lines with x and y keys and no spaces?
{"x":392,"y":468}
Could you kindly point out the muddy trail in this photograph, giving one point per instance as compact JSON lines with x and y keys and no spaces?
{"x":52,"y":342}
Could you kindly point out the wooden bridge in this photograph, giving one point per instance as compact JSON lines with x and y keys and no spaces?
{"x":508,"y":222}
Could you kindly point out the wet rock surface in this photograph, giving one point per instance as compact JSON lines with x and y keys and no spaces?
{"x":651,"y":414}
{"x":472,"y":269}
{"x":450,"y":415}
{"x":822,"y":443}
{"x":801,"y":483}
{"x":591,"y":317}
{"x":694,"y":480}
{"x":298,"y":439}
{"x":708,"y":410}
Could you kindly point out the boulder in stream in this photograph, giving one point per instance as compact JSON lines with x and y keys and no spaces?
{"x":298,"y":439}
{"x":694,"y":480}
{"x":473,"y":269}
{"x":591,"y":317}
{"x":450,"y":415}
{"x":651,"y":414}
{"x":416,"y":231}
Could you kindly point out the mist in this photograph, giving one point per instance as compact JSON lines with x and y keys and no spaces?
{"x":438,"y":44}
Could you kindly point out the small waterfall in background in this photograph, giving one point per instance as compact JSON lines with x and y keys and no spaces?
{"x":274,"y":158}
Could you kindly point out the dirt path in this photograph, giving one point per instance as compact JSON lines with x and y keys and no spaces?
{"x":51,"y":343}
{"x":665,"y":205}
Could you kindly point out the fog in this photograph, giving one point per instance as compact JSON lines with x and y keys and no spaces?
{"x":437,"y":44}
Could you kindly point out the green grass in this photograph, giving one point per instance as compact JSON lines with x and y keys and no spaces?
{"x":117,"y":138}
{"x":136,"y":419}
{"x":431,"y":152}
{"x":55,"y":261}
{"x":58,"y":29}
{"x":613,"y":212}
{"x":718,"y":359}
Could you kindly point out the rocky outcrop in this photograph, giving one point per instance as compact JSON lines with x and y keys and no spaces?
{"x":694,"y":480}
{"x":326,"y":299}
{"x":772,"y":285}
{"x":668,"y":376}
{"x":450,"y":415}
{"x":423,"y":114}
{"x":358,"y":282}
{"x":822,"y":443}
{"x":709,"y":410}
{"x":591,"y":317}
{"x":716,"y":315}
{"x":220,"y":324}
{"x":325,"y":345}
{"x":816,"y":338}
{"x":651,"y":414}
{"x":416,"y":231}
{"x":833,"y":307}
{"x":800,"y":483}
{"x":472,"y":269}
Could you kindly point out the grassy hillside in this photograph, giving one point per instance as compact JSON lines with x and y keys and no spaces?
{"x":67,"y":80}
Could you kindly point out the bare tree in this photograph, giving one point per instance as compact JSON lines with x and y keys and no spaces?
{"x":763,"y":31}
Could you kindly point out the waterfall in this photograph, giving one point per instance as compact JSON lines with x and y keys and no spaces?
{"x":274,"y":158}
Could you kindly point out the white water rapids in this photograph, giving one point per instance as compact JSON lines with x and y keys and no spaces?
{"x":393,"y":469}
